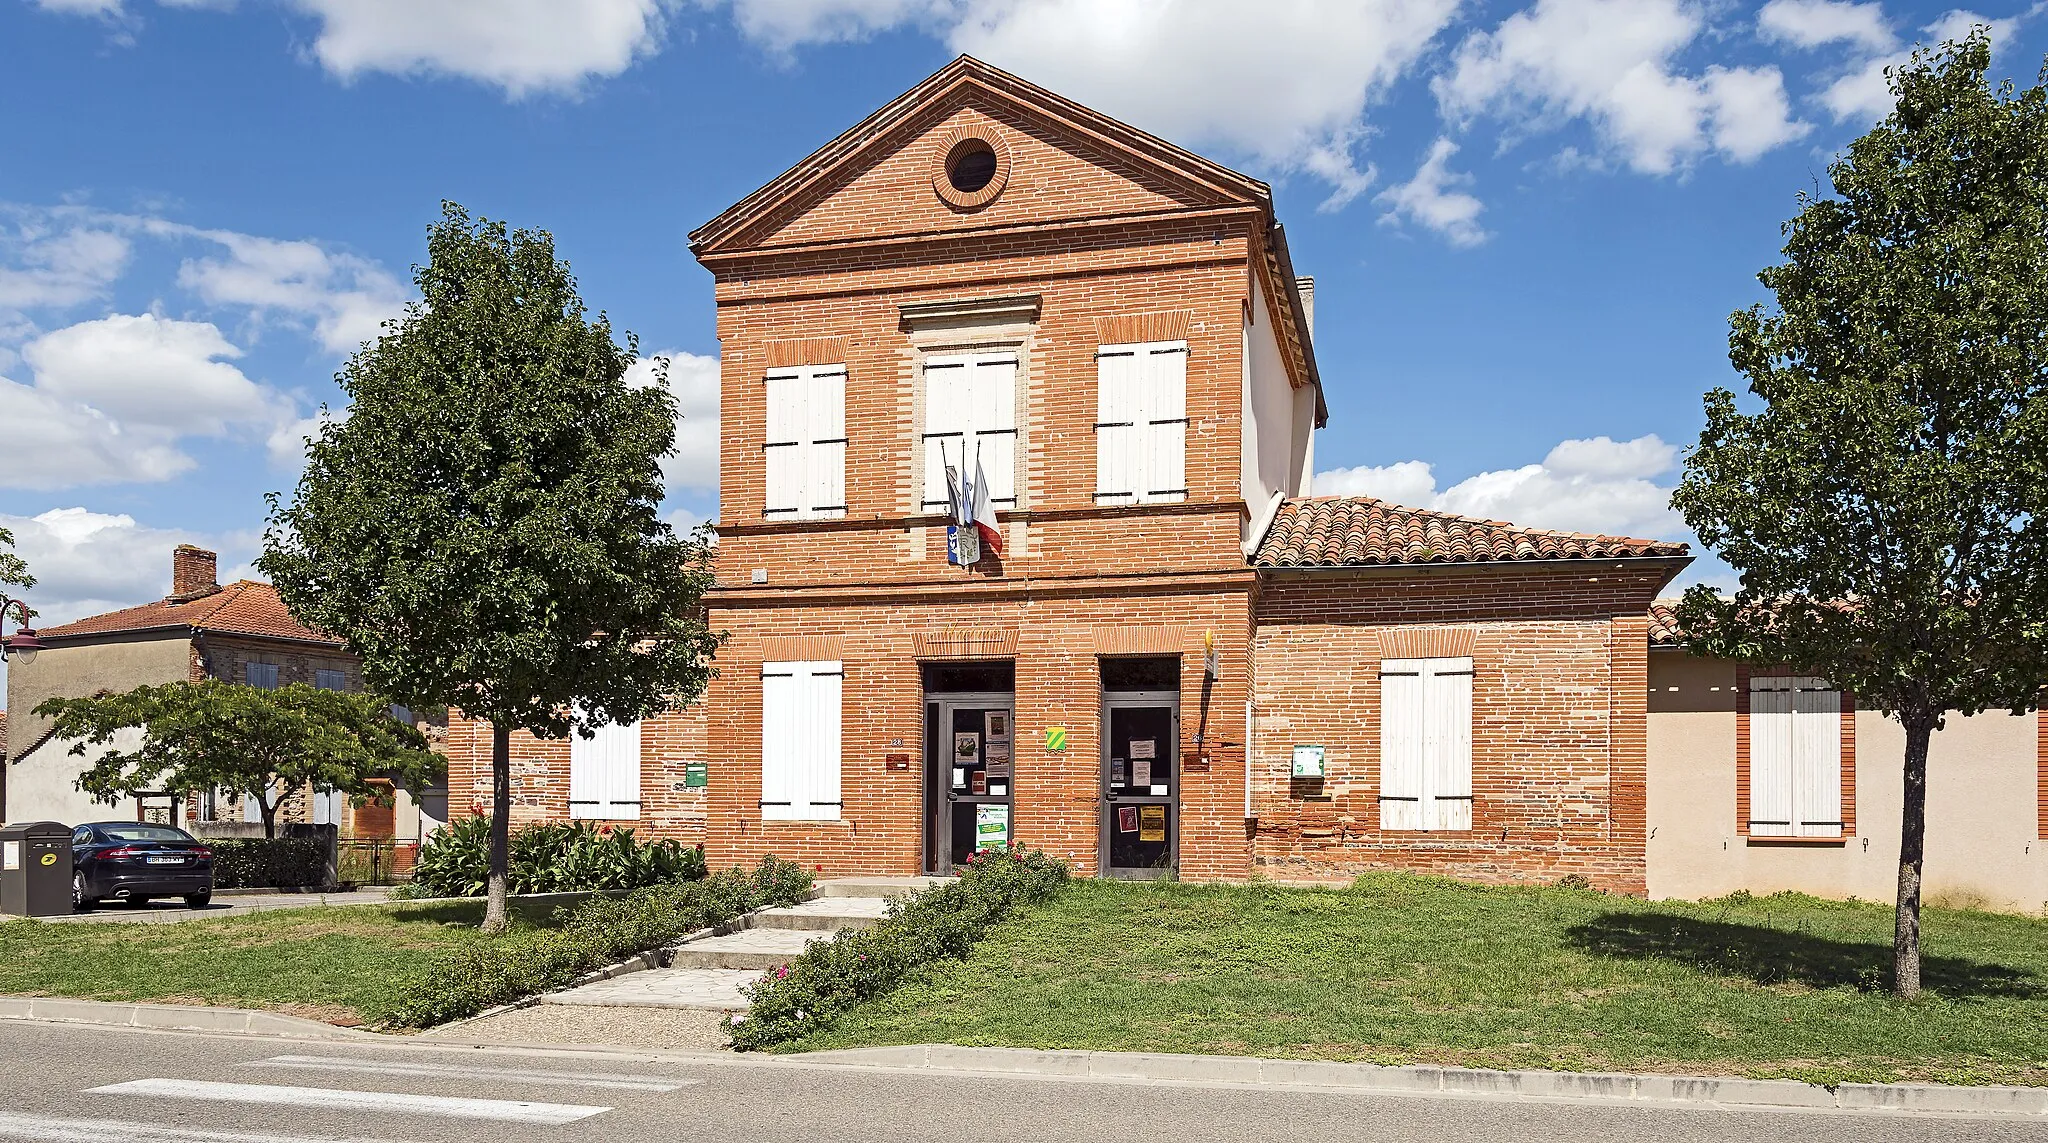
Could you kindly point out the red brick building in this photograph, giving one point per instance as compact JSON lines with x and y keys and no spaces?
{"x":1178,"y":661}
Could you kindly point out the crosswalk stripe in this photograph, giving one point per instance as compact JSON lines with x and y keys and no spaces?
{"x":452,"y":1107}
{"x":59,"y":1129}
{"x":625,"y":1082}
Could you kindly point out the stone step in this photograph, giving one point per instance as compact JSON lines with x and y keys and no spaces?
{"x":823,"y":913}
{"x":701,"y":989}
{"x":749,"y":948}
{"x":876,"y":886}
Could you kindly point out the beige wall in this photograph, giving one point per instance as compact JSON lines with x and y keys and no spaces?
{"x":68,"y":672}
{"x":1982,"y":805}
{"x":43,"y":788}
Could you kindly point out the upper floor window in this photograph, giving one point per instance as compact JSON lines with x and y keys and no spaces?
{"x":805,"y":448}
{"x":1141,"y":423}
{"x":1795,"y":757}
{"x":262,"y":676}
{"x":330,"y":680}
{"x":970,"y":417}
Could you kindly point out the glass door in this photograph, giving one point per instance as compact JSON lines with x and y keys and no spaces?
{"x":1141,"y":784}
{"x":971,"y":769}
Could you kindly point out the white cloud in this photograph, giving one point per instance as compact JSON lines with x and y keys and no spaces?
{"x":522,"y":46}
{"x":1429,"y":200}
{"x":113,"y":397}
{"x":1596,"y":485}
{"x":1610,"y":62}
{"x":693,"y":378}
{"x":780,"y":25}
{"x":88,"y":562}
{"x":347,"y":298}
{"x":1863,"y":93}
{"x":1815,"y":23}
{"x":45,"y":263}
{"x":81,"y":7}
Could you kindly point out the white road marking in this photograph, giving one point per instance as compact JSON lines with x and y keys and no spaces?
{"x":458,"y":1071}
{"x":506,"y":1110}
{"x":56,"y":1129}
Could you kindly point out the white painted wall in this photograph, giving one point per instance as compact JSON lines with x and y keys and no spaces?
{"x":1272,"y":453}
{"x":41,"y":787}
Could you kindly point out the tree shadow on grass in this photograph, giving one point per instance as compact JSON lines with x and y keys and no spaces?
{"x":1769,"y":955}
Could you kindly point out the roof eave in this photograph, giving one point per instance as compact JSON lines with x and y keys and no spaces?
{"x":1675,"y":564}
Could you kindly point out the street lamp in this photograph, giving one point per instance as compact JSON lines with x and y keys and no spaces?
{"x":22,"y":646}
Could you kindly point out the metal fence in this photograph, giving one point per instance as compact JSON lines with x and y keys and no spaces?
{"x":375,"y":861}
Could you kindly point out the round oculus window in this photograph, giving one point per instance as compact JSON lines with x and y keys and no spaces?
{"x":971,"y":166}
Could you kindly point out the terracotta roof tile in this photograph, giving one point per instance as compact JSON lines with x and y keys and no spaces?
{"x":245,"y":607}
{"x":1360,"y":531}
{"x":1664,"y":628}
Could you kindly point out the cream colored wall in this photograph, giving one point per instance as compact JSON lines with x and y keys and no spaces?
{"x":1981,"y":805}
{"x":43,"y":786}
{"x":87,"y":670}
{"x":1269,"y":463}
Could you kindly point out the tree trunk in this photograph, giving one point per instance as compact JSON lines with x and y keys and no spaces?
{"x":501,"y":827}
{"x":1912,"y":853}
{"x":268,"y":810}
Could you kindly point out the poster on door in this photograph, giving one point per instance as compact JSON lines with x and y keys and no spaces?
{"x":996,"y":755}
{"x":1151,"y":823}
{"x":991,"y":827}
{"x":1127,"y":819}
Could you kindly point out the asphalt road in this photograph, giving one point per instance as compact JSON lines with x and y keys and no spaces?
{"x":86,"y":1084}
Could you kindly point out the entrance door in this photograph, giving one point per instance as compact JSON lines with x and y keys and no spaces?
{"x":970,"y":777}
{"x":1141,"y":784}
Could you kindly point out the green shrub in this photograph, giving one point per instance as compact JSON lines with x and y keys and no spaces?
{"x":944,"y":921}
{"x":550,"y":858}
{"x":266,"y":862}
{"x":598,"y":932}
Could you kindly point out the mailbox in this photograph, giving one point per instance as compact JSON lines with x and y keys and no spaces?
{"x":35,"y":869}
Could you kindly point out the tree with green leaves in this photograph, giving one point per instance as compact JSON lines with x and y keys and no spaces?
{"x":1885,"y":498}
{"x":265,"y":744}
{"x":13,"y":569}
{"x":484,"y":527}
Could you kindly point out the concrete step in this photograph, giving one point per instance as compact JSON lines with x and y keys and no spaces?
{"x":876,"y":886}
{"x":701,"y":989}
{"x":756,"y":949}
{"x":823,"y":913}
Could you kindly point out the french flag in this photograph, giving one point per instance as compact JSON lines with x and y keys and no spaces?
{"x":980,"y":512}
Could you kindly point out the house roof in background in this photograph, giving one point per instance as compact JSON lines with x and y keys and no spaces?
{"x":1664,"y":628}
{"x":1360,"y":531}
{"x":245,"y":607}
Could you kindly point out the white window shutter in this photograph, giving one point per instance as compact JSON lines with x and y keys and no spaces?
{"x":992,"y":421}
{"x":825,"y":466}
{"x":1447,"y":690}
{"x":800,"y":750}
{"x":825,"y":692}
{"x":604,"y":774}
{"x":784,"y":446}
{"x":1817,"y":748}
{"x":1771,"y":757}
{"x":946,"y":386}
{"x":1401,"y":745}
{"x":1165,"y":425}
{"x":1116,"y":381}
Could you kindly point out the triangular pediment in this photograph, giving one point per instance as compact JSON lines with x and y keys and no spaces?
{"x":1058,"y":161}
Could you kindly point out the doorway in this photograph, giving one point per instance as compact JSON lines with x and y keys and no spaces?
{"x":1140,"y":768}
{"x":970,"y":762}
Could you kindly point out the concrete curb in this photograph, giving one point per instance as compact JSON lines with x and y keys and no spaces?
{"x":1427,"y":1079}
{"x":170,"y":1017}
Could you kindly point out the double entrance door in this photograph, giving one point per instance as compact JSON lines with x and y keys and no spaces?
{"x":1140,"y":784}
{"x":970,"y":761}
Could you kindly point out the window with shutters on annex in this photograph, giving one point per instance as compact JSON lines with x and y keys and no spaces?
{"x":970,"y":423}
{"x":1426,"y":744}
{"x":1795,"y":757}
{"x":1141,"y":423}
{"x":804,"y":449}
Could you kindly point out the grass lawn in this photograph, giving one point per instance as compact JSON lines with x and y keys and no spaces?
{"x":341,"y":965}
{"x":1401,"y":969}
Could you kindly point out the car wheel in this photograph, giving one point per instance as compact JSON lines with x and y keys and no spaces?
{"x":198,"y":900}
{"x":80,"y":902}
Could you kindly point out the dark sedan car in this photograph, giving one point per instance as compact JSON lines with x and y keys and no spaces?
{"x":135,"y":861}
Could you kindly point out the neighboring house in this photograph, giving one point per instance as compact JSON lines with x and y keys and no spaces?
{"x":1763,"y":780}
{"x":1180,"y":663}
{"x":240,"y":633}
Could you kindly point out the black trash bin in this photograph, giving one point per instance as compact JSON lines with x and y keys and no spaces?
{"x":35,"y":869}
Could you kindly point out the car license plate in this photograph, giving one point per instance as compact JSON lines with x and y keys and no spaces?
{"x":167,"y":861}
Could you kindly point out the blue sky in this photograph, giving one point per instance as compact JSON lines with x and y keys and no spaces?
{"x":1528,"y":220}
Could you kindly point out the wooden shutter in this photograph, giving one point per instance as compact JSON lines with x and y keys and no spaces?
{"x":1402,"y":738}
{"x":1817,"y":758}
{"x":1163,"y":433}
{"x":947,"y":388}
{"x":800,"y":751}
{"x":330,"y":680}
{"x":604,"y":774}
{"x":825,"y":462}
{"x":1117,"y":379}
{"x":1771,"y":770}
{"x":1447,"y":707}
{"x":784,"y":446}
{"x":262,"y":676}
{"x":991,"y":425}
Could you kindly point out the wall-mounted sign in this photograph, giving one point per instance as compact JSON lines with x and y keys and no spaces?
{"x":696,"y":775}
{"x":896,"y":762}
{"x":1199,"y":764}
{"x":1308,"y":761}
{"x":10,"y":855}
{"x":1055,"y":738}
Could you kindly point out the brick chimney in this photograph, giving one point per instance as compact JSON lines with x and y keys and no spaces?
{"x":192,"y":572}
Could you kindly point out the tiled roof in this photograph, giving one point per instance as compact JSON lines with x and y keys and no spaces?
{"x":245,"y":607}
{"x":1359,"y":531}
{"x":1664,"y":629}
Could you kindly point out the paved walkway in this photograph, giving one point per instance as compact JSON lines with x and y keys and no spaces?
{"x":172,"y":910}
